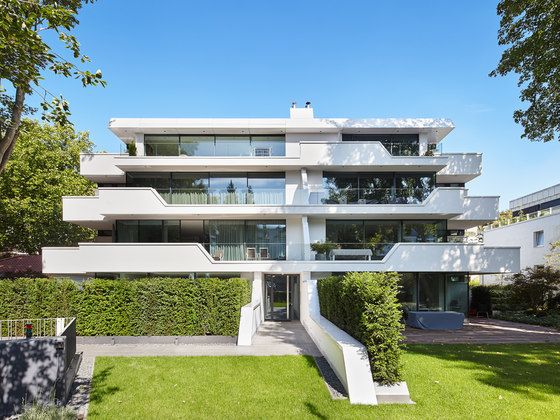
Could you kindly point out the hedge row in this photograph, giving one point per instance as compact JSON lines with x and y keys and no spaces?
{"x":365,"y":305}
{"x":151,"y":306}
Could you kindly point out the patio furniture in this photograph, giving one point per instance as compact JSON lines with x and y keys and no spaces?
{"x":366,"y":252}
{"x":251,"y":253}
{"x":444,"y":320}
{"x":263,"y":253}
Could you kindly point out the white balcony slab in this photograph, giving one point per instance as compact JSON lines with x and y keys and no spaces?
{"x":90,"y":258}
{"x":460,"y":168}
{"x":145,"y":203}
{"x":126,"y":128}
{"x":332,"y":155}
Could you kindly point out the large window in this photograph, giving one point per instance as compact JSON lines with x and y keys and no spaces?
{"x":225,"y":145}
{"x":230,"y":240}
{"x":396,"y":144}
{"x":434,"y":292}
{"x":381,"y":235}
{"x":374,"y":188}
{"x":214,"y":188}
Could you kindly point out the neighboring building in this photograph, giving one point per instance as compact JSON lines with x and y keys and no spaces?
{"x":535,"y":225}
{"x":20,"y":265}
{"x":247,"y":197}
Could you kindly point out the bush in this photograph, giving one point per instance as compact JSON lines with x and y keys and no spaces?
{"x":536,"y":289}
{"x":548,"y":320}
{"x":152,"y":306}
{"x":365,"y":305}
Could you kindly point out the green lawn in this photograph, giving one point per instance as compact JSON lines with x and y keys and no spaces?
{"x":446,"y":381}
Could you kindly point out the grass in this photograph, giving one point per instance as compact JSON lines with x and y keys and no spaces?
{"x":446,"y":382}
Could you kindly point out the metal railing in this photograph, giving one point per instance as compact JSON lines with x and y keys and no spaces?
{"x":257,"y":196}
{"x":40,"y":327}
{"x":369,"y":195}
{"x":523,"y":218}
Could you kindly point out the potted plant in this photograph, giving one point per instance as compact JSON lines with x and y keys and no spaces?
{"x":322,"y":249}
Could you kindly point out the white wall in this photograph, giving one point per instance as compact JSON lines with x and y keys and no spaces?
{"x":187,"y":258}
{"x":521,"y":234}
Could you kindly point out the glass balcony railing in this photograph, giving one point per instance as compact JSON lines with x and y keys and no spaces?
{"x":256,"y":196}
{"x":217,"y":148}
{"x":264,"y":251}
{"x":370,"y":196}
{"x":410,"y":149}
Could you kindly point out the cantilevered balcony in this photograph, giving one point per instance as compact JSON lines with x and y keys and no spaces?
{"x":90,"y":258}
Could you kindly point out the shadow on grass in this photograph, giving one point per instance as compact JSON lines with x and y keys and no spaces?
{"x":100,"y":388}
{"x":312,"y":409}
{"x":527,"y":369}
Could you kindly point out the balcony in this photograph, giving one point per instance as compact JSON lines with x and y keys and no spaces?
{"x":370,"y":196}
{"x":256,"y":196}
{"x":460,"y":168}
{"x":90,"y":258}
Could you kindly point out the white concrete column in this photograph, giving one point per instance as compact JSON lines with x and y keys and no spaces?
{"x":139,"y":139}
{"x":306,"y":240}
{"x":423,"y":138}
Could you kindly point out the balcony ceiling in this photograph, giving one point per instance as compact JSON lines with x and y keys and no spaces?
{"x":126,"y":128}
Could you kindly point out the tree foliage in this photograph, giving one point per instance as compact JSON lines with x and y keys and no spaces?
{"x":44,"y":167}
{"x":553,"y":258}
{"x":27,"y":28}
{"x":536,"y":289}
{"x":531,"y":31}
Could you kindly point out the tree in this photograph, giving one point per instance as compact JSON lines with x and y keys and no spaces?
{"x":536,"y":288}
{"x":44,"y":167}
{"x":531,"y":30}
{"x":26,"y":28}
{"x":553,"y":258}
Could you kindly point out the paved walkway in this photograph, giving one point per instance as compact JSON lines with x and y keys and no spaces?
{"x":485,"y":331}
{"x":272,"y":339}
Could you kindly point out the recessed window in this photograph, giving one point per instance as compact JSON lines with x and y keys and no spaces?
{"x":538,"y":238}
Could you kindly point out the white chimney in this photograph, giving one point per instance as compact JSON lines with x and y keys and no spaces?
{"x":301,"y":113}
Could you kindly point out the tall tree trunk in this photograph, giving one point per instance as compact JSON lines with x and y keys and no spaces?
{"x":8,"y":141}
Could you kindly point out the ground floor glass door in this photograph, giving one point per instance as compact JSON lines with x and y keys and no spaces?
{"x":281,"y":297}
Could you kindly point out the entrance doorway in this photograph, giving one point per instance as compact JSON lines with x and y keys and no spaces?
{"x":281,"y":297}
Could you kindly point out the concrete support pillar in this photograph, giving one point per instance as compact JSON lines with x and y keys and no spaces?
{"x":139,"y":139}
{"x":423,"y":138}
{"x":306,"y":240}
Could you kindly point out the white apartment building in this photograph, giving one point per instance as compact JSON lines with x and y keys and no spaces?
{"x":249,"y":196}
{"x":535,"y":225}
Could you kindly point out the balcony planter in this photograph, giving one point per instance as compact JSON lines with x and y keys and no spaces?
{"x":322,"y":249}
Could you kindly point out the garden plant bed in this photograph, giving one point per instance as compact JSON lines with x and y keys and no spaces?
{"x":446,"y":381}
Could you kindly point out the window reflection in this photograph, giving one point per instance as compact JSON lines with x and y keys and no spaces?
{"x":223,"y":145}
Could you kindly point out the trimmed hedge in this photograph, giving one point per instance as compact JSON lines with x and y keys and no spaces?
{"x":151,"y":306}
{"x":365,"y":305}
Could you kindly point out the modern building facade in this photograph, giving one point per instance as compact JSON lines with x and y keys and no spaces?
{"x":534,"y":226}
{"x":250,"y":197}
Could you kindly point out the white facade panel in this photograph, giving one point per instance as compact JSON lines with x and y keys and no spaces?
{"x":186,"y":258}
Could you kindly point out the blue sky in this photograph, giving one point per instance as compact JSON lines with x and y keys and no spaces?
{"x":350,"y":59}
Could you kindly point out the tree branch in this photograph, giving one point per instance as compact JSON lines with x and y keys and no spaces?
{"x":8,"y":140}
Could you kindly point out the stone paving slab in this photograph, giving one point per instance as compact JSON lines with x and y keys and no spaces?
{"x":485,"y":331}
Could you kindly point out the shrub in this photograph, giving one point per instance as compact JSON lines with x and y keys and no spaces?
{"x":152,"y":306}
{"x":323,"y":247}
{"x":365,"y":305}
{"x":536,"y":289}
{"x":546,"y":320}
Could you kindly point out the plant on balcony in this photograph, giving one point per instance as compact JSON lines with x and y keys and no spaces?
{"x":322,"y":249}
{"x":131,"y":148}
{"x":429,"y":152}
{"x":377,"y":245}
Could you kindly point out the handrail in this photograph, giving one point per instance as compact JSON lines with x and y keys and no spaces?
{"x":523,"y":218}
